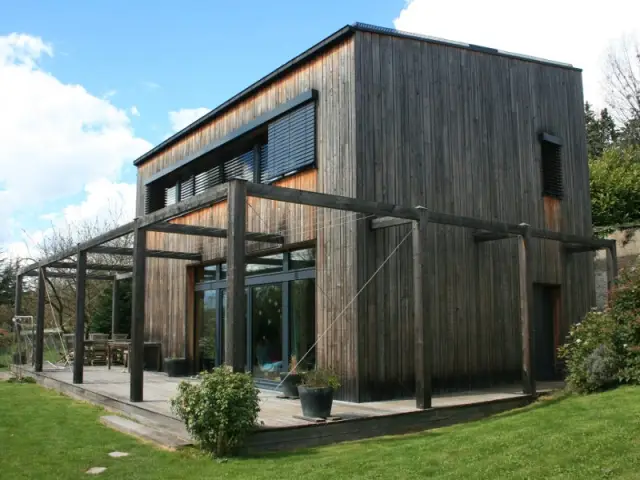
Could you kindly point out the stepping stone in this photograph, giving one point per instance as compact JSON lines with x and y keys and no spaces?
{"x":96,"y":470}
{"x":118,"y":454}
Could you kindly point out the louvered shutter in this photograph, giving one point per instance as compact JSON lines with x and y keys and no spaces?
{"x":552,"y":182}
{"x":207,"y":179}
{"x":291,"y":144}
{"x":147,"y":199}
{"x":170,"y":195}
{"x":187,"y":188}
{"x":241,"y":167}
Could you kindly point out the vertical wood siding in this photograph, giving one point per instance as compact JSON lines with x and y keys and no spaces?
{"x":332,"y":74}
{"x":457,"y":131}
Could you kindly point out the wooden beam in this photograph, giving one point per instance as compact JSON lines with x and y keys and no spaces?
{"x":138,"y":313}
{"x":39,"y":346}
{"x":526,"y":310}
{"x":335,"y":202}
{"x":124,"y":276}
{"x":94,"y":266}
{"x":571,"y":248}
{"x":89,"y":276}
{"x":115,"y":310}
{"x":205,"y":199}
{"x":570,"y":238}
{"x":421,"y":317}
{"x":235,"y":328}
{"x":124,"y":251}
{"x":98,"y":240}
{"x":386,"y":222}
{"x":78,"y":351}
{"x":484,"y":236}
{"x":213,"y":232}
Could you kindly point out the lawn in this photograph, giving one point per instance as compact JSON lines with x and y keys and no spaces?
{"x":46,"y":435}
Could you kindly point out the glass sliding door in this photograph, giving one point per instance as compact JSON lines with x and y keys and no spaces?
{"x":302,"y":323}
{"x":266,"y":330}
{"x":207,"y":341}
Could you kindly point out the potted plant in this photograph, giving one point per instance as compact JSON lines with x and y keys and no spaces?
{"x":175,"y":366}
{"x":290,"y":380}
{"x":316,"y":393}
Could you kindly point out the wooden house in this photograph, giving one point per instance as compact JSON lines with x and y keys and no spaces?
{"x":461,"y":132}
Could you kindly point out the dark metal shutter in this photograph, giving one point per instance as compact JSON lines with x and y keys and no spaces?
{"x":170,"y":195}
{"x":552,"y":184}
{"x":147,"y":199}
{"x":241,"y":167}
{"x":187,"y":188}
{"x":207,"y":179}
{"x":291,"y":144}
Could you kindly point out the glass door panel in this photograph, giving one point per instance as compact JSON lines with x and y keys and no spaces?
{"x":207,"y":342}
{"x":302,"y":324}
{"x":266,"y":330}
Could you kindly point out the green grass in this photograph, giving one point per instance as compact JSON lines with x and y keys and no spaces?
{"x":45,"y":435}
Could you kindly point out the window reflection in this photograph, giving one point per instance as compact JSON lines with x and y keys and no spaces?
{"x":266,"y":264}
{"x":302,"y":324}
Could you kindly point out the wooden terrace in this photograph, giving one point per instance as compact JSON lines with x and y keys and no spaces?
{"x":282,"y":427}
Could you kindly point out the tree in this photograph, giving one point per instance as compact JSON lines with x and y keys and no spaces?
{"x":601,"y":130}
{"x":101,"y":319}
{"x":622,"y":83}
{"x":8,"y":270}
{"x":615,"y":186}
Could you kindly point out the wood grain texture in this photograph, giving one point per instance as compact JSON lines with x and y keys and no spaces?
{"x":332,"y":75}
{"x":457,"y":131}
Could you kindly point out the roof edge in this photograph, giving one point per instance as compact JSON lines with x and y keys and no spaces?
{"x":321,"y":46}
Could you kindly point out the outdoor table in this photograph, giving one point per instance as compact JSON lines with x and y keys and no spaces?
{"x":114,"y":345}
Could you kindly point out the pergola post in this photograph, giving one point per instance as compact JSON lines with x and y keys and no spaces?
{"x":78,"y":349}
{"x":138,"y":312}
{"x":421,"y":318}
{"x":17,"y":306}
{"x":39,"y":340}
{"x":235,"y":328}
{"x":115,"y":311}
{"x":526,"y":309}
{"x":612,"y":267}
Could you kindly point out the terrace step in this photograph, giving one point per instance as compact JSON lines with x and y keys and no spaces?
{"x":162,"y":437}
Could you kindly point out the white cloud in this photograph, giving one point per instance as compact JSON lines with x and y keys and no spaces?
{"x":55,"y":138}
{"x":151,"y":85}
{"x":185,"y":116}
{"x":566,"y":31}
{"x":134,"y":111}
{"x":106,"y":205}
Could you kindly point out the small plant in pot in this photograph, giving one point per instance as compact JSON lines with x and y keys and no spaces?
{"x":290,"y":380}
{"x":316,"y":392}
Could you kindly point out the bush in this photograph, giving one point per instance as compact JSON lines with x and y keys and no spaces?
{"x":604,"y":349}
{"x":220,"y":410}
{"x":320,"y":378}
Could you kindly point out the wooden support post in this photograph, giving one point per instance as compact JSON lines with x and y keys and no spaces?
{"x":526,"y":310}
{"x":78,"y":351}
{"x":421,"y":318}
{"x":138,"y":312}
{"x":612,"y":268}
{"x":17,"y":306}
{"x":115,"y":310}
{"x":39,"y":340}
{"x":235,"y":328}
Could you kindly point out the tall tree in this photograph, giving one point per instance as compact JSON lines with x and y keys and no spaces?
{"x":601,"y":130}
{"x":622,"y":74}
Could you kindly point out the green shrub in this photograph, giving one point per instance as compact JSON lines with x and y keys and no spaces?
{"x":220,"y":410}
{"x":604,"y":349}
{"x":595,"y":332}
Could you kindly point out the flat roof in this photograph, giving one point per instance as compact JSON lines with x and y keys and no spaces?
{"x":320,"y":47}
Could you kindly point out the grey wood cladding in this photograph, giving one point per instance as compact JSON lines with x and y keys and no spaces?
{"x":457,"y":131}
{"x":408,"y":122}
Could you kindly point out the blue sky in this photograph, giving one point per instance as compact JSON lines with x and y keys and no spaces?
{"x":87,"y":86}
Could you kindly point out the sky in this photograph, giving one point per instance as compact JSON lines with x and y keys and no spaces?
{"x":87,"y":87}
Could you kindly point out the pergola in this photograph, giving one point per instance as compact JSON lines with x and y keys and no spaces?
{"x":236,"y":193}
